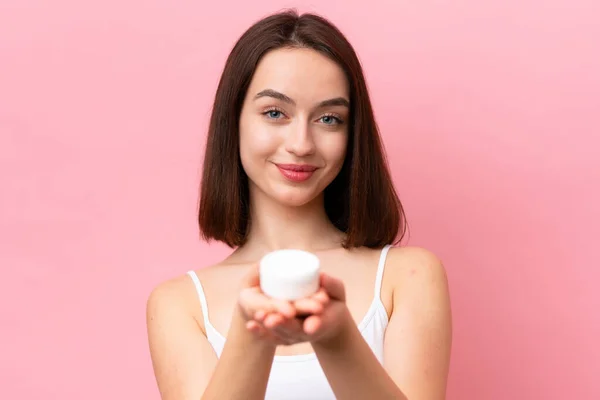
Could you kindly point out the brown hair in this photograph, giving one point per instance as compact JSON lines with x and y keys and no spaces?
{"x":361,"y":200}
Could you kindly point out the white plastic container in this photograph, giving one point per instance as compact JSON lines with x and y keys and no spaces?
{"x":289,"y":274}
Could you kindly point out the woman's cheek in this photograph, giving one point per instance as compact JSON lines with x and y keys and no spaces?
{"x":334,"y":149}
{"x":266,"y":142}
{"x":258,"y":140}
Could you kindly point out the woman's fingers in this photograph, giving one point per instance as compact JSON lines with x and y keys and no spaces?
{"x":284,"y":323}
{"x":295,"y":326}
{"x":252,"y":301}
{"x":333,"y":286}
{"x":260,"y":315}
{"x":285,"y":308}
{"x":312,"y":324}
{"x":307,"y":306}
{"x":314,"y":304}
{"x":321,"y":296}
{"x":253,"y":327}
{"x":268,"y":334}
{"x":272,"y":320}
{"x":287,"y":331}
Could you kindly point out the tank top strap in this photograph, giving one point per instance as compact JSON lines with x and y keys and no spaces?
{"x":202,"y":298}
{"x":380,"y":268}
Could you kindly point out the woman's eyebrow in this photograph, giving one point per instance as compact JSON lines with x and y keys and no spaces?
{"x":274,"y":94}
{"x":337,"y":101}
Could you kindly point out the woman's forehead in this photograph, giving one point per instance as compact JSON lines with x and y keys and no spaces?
{"x":300,"y":74}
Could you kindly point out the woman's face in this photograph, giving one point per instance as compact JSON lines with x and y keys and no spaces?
{"x":294,"y":125}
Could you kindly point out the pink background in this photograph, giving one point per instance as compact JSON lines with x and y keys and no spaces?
{"x":489,"y":111}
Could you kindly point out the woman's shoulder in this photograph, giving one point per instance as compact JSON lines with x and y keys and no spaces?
{"x":406,"y":256}
{"x":419,"y":281}
{"x":179,"y":294}
{"x":173,"y":298}
{"x":414,"y":267}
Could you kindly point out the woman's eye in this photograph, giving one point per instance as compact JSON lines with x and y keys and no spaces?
{"x":330,"y":120}
{"x":274,"y":114}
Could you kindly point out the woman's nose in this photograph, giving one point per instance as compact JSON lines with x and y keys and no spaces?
{"x":300,"y":140}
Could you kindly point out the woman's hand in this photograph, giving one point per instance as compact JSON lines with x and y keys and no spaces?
{"x":271,"y":319}
{"x":318,"y":318}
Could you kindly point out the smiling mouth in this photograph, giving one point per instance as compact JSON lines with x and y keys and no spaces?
{"x":296,"y":172}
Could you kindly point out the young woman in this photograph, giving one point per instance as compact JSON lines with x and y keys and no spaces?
{"x":294,"y":160}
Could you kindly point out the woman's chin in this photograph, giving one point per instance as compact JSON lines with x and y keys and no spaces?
{"x":294,"y":198}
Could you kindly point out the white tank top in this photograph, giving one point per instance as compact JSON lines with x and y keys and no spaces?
{"x":300,"y":377}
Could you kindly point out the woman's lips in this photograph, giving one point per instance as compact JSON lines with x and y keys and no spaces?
{"x":296,"y":172}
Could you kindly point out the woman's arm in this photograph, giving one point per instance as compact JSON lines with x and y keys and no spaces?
{"x":186,"y":366}
{"x":417,"y":342}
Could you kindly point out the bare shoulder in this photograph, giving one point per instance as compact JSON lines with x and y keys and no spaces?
{"x":182,"y":357}
{"x":416,"y":264}
{"x":179,"y":295}
{"x":412,"y":256}
{"x":419,"y":279}
{"x":174,"y":296}
{"x":174,"y":289}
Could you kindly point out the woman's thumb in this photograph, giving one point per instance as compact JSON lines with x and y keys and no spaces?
{"x":334,"y":287}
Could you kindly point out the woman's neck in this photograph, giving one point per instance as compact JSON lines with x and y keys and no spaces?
{"x":275,"y":226}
